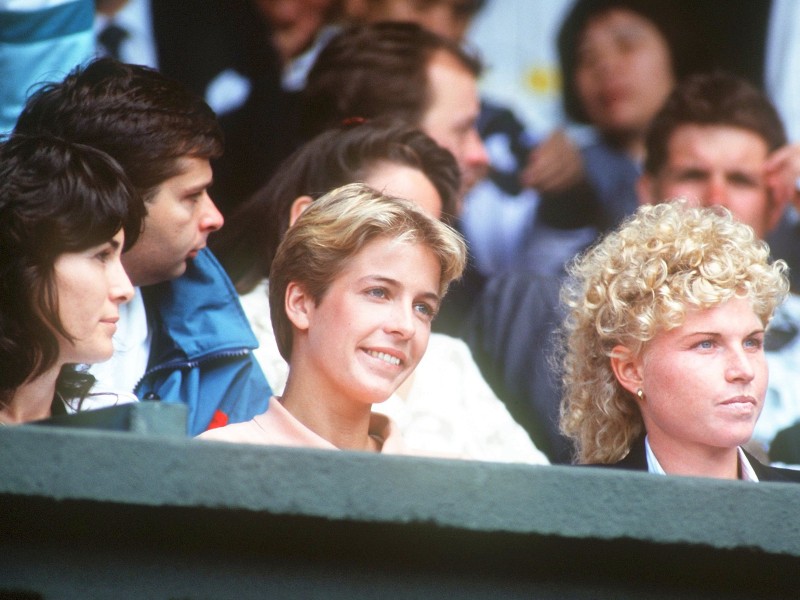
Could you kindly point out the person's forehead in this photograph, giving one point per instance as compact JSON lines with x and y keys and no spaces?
{"x":447,"y":75}
{"x":710,"y":138}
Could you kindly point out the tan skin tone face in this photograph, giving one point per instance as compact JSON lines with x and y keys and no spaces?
{"x":91,"y":285}
{"x":703,"y":383}
{"x":452,"y":116}
{"x":371,"y":327}
{"x":179,"y":220}
{"x":397,"y":180}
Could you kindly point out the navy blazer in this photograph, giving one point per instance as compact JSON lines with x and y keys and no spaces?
{"x":636,"y":460}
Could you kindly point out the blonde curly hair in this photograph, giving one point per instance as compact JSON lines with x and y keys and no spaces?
{"x":636,"y":282}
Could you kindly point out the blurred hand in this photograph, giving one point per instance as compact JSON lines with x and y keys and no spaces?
{"x":554,"y":165}
{"x":781,"y":172}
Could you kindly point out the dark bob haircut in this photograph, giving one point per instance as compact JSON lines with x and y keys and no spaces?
{"x":55,"y":197}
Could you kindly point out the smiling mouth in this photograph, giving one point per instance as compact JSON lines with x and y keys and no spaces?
{"x":387,"y":358}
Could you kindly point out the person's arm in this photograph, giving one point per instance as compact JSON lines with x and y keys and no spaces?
{"x":782,"y":172}
{"x":557,"y":171}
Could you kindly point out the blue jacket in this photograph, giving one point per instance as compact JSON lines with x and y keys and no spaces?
{"x":201,"y":353}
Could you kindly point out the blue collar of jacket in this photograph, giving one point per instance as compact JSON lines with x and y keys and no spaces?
{"x":196,"y":316}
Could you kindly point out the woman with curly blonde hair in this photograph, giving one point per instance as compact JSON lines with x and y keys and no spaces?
{"x":664,"y":367}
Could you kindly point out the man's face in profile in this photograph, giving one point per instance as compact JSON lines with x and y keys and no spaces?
{"x":452,"y":115}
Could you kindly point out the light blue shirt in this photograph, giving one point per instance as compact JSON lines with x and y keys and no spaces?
{"x":40,"y":41}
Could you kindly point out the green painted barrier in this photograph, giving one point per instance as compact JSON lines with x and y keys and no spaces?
{"x":87,"y":513}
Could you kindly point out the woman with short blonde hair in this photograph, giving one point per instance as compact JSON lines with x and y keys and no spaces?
{"x":354,"y":287}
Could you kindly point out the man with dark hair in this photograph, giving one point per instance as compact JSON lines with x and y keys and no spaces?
{"x":184,"y":337}
{"x":718,"y":140}
{"x":704,"y":122}
{"x":401,"y":71}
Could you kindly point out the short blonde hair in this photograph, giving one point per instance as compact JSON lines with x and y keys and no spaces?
{"x":640,"y":280}
{"x":335,"y":228}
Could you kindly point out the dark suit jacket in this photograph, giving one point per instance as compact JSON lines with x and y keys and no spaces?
{"x":636,"y":460}
{"x":511,"y":336}
{"x":198,"y":41}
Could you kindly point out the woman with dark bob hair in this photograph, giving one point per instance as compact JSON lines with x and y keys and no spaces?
{"x":664,"y":368}
{"x":67,"y":212}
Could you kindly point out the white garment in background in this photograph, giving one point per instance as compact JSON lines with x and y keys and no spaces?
{"x":135,"y":17}
{"x":516,"y":40}
{"x":782,"y":68}
{"x":131,"y":350}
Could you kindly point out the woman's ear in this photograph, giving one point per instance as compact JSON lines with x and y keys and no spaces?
{"x":627,"y":368}
{"x":298,"y":305}
{"x":645,"y":190}
{"x":298,"y":206}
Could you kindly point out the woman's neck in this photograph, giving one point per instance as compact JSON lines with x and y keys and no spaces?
{"x":697,"y":460}
{"x":32,"y":400}
{"x":341,"y":421}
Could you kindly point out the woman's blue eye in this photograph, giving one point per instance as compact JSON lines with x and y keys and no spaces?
{"x":754,"y":343}
{"x":425,"y":309}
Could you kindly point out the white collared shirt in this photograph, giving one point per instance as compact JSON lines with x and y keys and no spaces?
{"x":653,"y":466}
{"x":132,"y":343}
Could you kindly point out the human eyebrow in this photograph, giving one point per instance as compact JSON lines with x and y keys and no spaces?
{"x":739,"y":176}
{"x":690,"y":172}
{"x":432,"y":297}
{"x":691,"y":336}
{"x":394,"y":283}
{"x":198,"y":188}
{"x":379,"y":279}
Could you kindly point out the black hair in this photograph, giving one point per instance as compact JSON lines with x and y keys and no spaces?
{"x":143,"y":119}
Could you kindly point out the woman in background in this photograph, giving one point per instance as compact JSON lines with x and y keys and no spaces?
{"x":620,"y":60}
